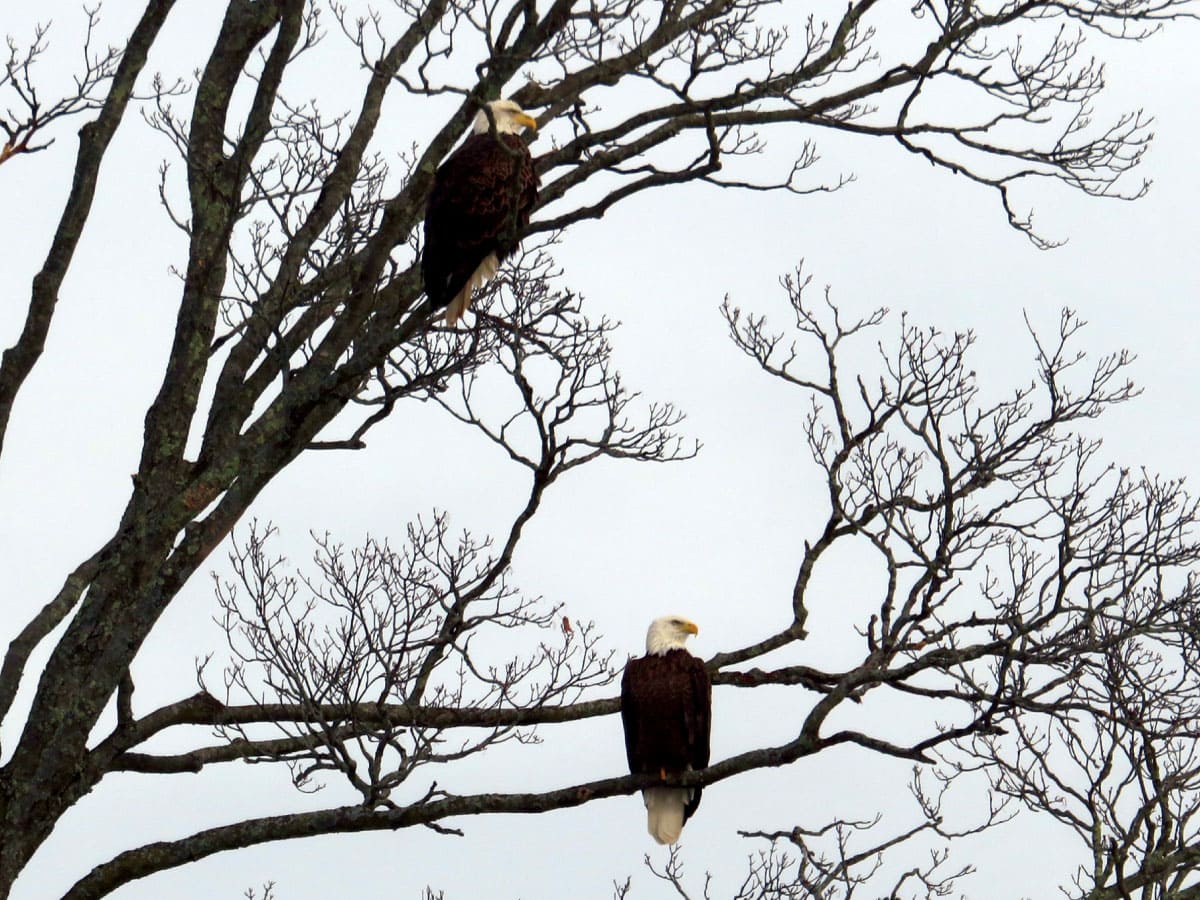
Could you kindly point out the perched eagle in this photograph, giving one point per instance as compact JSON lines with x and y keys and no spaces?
{"x":481,"y":200}
{"x":666,"y":707}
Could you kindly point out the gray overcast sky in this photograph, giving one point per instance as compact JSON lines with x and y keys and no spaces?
{"x":716,"y":538}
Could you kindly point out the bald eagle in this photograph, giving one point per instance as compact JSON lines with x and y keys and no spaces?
{"x":666,"y":708}
{"x":481,"y":200}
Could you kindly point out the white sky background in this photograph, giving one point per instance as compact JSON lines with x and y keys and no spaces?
{"x":716,"y":538}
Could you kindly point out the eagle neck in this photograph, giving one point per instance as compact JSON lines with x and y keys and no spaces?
{"x":663,"y":648}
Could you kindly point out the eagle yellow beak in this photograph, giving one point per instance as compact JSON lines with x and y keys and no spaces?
{"x":525,"y":119}
{"x":691,"y":627}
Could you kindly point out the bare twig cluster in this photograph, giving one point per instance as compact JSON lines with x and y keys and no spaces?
{"x":28,"y":113}
{"x":376,"y":628}
{"x":836,"y":861}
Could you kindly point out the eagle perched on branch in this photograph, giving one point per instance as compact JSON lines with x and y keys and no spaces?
{"x":666,"y":708}
{"x":481,"y":200}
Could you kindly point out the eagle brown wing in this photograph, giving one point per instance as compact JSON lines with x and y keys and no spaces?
{"x":632,"y":714}
{"x":480,"y":204}
{"x":699,"y":723}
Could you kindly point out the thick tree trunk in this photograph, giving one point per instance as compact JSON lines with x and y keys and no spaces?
{"x":160,"y":544}
{"x":50,"y":767}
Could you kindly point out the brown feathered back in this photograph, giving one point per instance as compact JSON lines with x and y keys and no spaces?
{"x":666,"y":708}
{"x":481,"y":202}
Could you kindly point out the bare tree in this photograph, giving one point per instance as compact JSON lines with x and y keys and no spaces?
{"x":1053,"y":595}
{"x":1038,"y":598}
{"x":300,"y":301}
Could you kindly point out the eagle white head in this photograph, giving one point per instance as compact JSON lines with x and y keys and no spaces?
{"x":669,"y":633}
{"x":510,"y":118}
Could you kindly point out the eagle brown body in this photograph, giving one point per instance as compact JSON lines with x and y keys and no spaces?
{"x":481,"y":202}
{"x":666,"y":708}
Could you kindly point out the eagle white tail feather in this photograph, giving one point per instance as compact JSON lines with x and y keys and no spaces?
{"x":664,"y":812}
{"x":462,"y":300}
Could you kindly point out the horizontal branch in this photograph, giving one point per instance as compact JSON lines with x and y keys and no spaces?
{"x":204,"y":709}
{"x":804,"y":676}
{"x":234,"y":751}
{"x":134,"y":864}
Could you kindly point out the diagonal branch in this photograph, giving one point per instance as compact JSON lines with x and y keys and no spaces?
{"x":94,"y":137}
